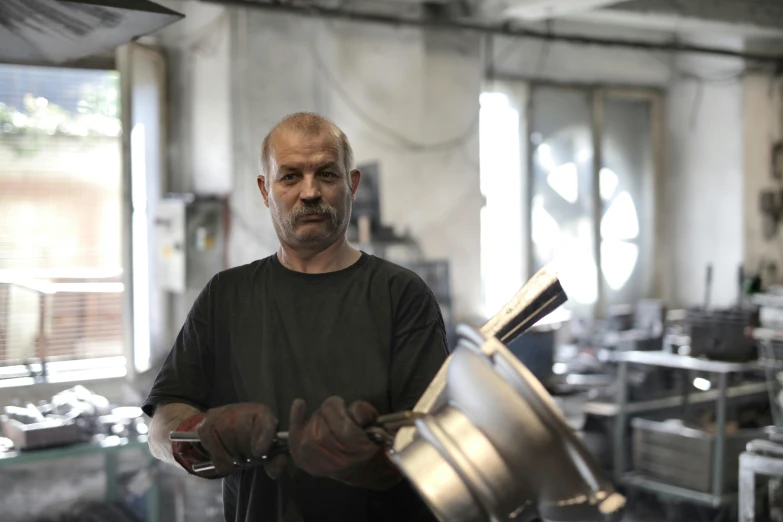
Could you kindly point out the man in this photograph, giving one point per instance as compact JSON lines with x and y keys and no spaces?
{"x":318,"y":339}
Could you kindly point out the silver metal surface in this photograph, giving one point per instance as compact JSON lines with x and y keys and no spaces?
{"x":278,"y":447}
{"x":184,"y":436}
{"x":676,"y":492}
{"x":538,"y":297}
{"x":716,"y":495}
{"x":752,"y":464}
{"x":720,"y":437}
{"x":671,"y":360}
{"x":609,"y":409}
{"x":202,"y":466}
{"x":491,"y":443}
{"x":438,"y":483}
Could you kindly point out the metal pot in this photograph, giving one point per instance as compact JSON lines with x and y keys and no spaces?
{"x":490,"y":444}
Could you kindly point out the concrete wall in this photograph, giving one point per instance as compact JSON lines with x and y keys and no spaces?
{"x":395,"y":92}
{"x":705,"y":204}
{"x":703,"y":208}
{"x":706,"y":176}
{"x":380,"y":83}
{"x":587,"y":64}
{"x":763,"y":128}
{"x":198,"y":61}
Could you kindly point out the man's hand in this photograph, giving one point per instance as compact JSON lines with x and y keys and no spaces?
{"x":230,"y":435}
{"x":186,"y":454}
{"x":333,"y":444}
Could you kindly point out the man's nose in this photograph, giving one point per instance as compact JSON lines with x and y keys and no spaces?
{"x":310,"y":189}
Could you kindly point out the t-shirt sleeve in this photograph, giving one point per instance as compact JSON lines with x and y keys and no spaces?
{"x":419,"y":344}
{"x":186,"y":375}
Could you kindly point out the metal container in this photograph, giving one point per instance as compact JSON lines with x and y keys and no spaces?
{"x":489,"y":443}
{"x":497,"y":448}
{"x":680,"y":456}
{"x":720,"y":334}
{"x":43,"y":434}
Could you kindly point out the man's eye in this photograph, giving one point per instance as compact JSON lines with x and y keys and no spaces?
{"x":328,"y":174}
{"x":288,"y":177}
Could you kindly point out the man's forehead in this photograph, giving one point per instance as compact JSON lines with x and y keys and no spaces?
{"x":294,"y":148}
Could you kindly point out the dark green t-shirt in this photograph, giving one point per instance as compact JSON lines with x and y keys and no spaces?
{"x":264,"y":333}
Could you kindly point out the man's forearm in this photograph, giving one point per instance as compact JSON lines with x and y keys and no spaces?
{"x":167,"y":418}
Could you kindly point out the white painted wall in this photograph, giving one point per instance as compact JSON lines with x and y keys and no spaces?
{"x":198,"y":49}
{"x":703,"y":211}
{"x":705,"y":184}
{"x":584,"y":64}
{"x":378,"y":84}
{"x":763,"y":127}
{"x":425,"y":87}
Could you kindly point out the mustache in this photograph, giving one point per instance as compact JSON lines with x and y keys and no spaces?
{"x":321,"y":208}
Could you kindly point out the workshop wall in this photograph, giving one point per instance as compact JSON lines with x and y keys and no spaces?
{"x":763,"y":95}
{"x":198,"y":60}
{"x":704,"y":198}
{"x":702,"y":208}
{"x":529,"y":59}
{"x":394,"y":91}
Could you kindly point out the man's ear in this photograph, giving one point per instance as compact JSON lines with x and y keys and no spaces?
{"x":356,"y":176}
{"x":262,"y":187}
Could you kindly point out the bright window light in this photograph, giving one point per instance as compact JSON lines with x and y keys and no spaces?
{"x":545,"y":158}
{"x":584,"y":155}
{"x":618,"y":259}
{"x":608,"y":182}
{"x":563,"y":180}
{"x":545,"y":230}
{"x":620,"y":221}
{"x":576,"y":269}
{"x":141,"y":295}
{"x":701,"y":384}
{"x":501,"y":185}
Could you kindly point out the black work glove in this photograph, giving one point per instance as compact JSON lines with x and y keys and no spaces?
{"x":236,"y":433}
{"x":333,"y":444}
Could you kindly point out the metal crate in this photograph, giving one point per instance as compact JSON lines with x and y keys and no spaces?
{"x":674,"y":454}
{"x":771,"y":358}
{"x":44,"y":434}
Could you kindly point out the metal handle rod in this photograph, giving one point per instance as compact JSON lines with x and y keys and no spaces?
{"x":537,"y":298}
{"x":383,"y":424}
{"x":192,"y":436}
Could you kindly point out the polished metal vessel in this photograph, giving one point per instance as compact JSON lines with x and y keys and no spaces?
{"x":489,"y":444}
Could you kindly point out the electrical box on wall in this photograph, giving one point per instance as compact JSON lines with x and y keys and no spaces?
{"x":191,"y":241}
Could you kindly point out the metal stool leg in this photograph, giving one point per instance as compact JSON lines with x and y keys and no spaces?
{"x":747,"y":489}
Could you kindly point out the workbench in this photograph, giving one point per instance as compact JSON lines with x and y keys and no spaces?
{"x":109,"y":447}
{"x":717,"y":497}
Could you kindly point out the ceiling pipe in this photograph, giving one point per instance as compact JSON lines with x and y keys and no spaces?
{"x":496,"y":29}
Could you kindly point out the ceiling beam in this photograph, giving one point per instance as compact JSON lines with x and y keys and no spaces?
{"x":761,"y":18}
{"x":499,"y":29}
{"x":534,"y":10}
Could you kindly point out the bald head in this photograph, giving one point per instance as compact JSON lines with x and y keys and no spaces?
{"x":309,"y":125}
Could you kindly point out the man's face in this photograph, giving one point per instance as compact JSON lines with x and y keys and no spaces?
{"x":309,"y":192}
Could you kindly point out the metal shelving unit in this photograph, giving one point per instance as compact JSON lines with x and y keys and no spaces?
{"x":670,"y":360}
{"x":109,"y":447}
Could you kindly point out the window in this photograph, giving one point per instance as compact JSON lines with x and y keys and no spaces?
{"x":592,"y":192}
{"x":61,"y":289}
{"x":569,"y":178}
{"x":501,"y":217}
